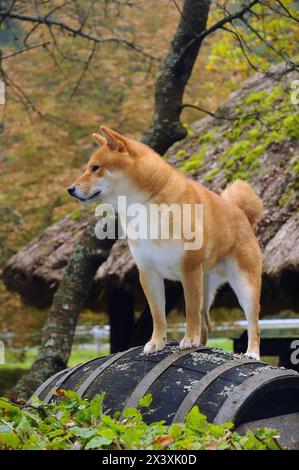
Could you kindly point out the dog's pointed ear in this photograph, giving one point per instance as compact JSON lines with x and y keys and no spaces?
{"x":115,"y":140}
{"x":100,"y":139}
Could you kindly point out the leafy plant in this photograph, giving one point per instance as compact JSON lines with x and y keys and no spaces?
{"x":75,"y":423}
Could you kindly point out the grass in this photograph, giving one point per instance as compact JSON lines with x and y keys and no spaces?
{"x":77,"y":356}
{"x":12,"y":371}
{"x":223,"y":343}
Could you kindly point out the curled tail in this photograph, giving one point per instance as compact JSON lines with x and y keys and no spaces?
{"x":242,"y":194}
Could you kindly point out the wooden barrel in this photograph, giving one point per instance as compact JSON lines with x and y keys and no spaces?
{"x":225,"y":386}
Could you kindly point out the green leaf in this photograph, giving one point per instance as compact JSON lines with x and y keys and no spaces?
{"x":131,"y":413}
{"x":23,"y":429}
{"x":216,"y":430}
{"x":132,"y":436}
{"x":107,"y":432}
{"x":195,"y":419}
{"x":96,"y":405}
{"x":97,"y":442}
{"x":35,"y":401}
{"x":6,"y":405}
{"x":10,"y":440}
{"x":176,"y":430}
{"x":83,"y":432}
{"x":70,"y":394}
{"x":55,"y":433}
{"x":146,"y":401}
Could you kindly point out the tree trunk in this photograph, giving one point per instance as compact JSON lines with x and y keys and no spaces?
{"x":166,"y":128}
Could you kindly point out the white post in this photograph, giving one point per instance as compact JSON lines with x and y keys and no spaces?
{"x":2,"y":92}
{"x":2,"y":352}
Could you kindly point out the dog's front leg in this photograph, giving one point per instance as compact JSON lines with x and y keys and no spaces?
{"x":153,"y":287}
{"x":192,"y":281}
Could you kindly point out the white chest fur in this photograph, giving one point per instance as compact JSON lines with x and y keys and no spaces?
{"x":164,"y":256}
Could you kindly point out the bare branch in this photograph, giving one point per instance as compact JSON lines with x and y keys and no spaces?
{"x":26,"y":38}
{"x":57,"y":64}
{"x":85,"y":69}
{"x":237,"y":117}
{"x":21,"y":51}
{"x":286,"y":10}
{"x":44,"y":20}
{"x":24,"y":98}
{"x":242,"y":45}
{"x":219,"y":116}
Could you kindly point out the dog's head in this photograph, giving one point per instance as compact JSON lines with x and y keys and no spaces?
{"x":106,"y":167}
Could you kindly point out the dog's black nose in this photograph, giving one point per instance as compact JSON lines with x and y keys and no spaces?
{"x":71,"y":190}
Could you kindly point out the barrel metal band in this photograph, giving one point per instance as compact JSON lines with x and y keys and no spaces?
{"x":152,"y":376}
{"x":98,"y":371}
{"x":45,"y":384}
{"x":231,"y":406}
{"x":67,"y":373}
{"x":191,"y":398}
{"x":62,"y":379}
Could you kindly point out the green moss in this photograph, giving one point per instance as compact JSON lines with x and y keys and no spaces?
{"x":285,"y":199}
{"x":189,"y":130}
{"x":256,"y":96}
{"x":241,"y":159}
{"x":254,"y":134}
{"x":251,"y":157}
{"x":296,"y":167}
{"x":207,"y":138}
{"x":234,"y":153}
{"x":273,"y":118}
{"x":277,"y":93}
{"x":233,"y":134}
{"x":77,"y":213}
{"x":290,"y":125}
{"x":274,"y":136}
{"x":242,"y":175}
{"x":210,"y":176}
{"x":195,"y":161}
{"x":180,"y":153}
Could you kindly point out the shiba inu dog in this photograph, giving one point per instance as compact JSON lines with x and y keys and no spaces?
{"x":229,"y":251}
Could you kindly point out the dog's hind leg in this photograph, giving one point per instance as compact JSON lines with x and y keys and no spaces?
{"x":192,"y":281}
{"x":212,"y":281}
{"x":245,"y":280}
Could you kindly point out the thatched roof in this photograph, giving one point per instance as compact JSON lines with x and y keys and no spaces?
{"x":261,"y":147}
{"x":282,"y":251}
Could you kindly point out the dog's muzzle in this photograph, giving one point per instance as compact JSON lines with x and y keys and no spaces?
{"x":72,"y":192}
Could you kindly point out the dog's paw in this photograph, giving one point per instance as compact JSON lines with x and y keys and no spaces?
{"x":153,"y":346}
{"x":252,"y":355}
{"x":190,"y":342}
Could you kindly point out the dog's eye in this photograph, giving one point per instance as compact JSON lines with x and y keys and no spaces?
{"x":95,"y":168}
